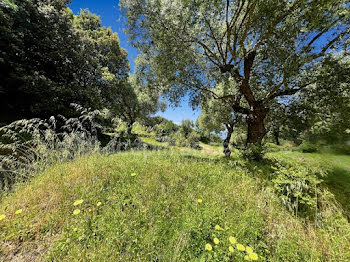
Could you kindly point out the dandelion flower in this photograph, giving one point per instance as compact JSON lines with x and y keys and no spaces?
{"x":216,"y":241}
{"x":217,"y":227}
{"x":199,"y":200}
{"x":249,"y":250}
{"x":19,"y":211}
{"x":253,"y":256}
{"x":246,"y":258}
{"x":98,"y":204}
{"x":231,"y":249}
{"x":240,"y":247}
{"x":75,"y":229}
{"x":76,"y":212}
{"x":78,"y":202}
{"x":232,"y":240}
{"x":2,"y":217}
{"x":208,"y":247}
{"x":133,"y":174}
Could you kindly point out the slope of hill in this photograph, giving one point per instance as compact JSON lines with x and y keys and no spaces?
{"x":168,"y":205}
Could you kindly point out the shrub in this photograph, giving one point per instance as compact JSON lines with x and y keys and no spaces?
{"x":193,"y":140}
{"x":27,"y":146}
{"x":254,"y":152}
{"x":178,"y":139}
{"x":308,"y":147}
{"x":298,"y":186}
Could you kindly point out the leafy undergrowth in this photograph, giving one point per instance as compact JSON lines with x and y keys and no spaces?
{"x":337,"y":180}
{"x":161,"y":206}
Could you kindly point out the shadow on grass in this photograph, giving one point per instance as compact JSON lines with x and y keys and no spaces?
{"x":338,"y":183}
{"x":153,"y":147}
{"x":262,"y":168}
{"x":189,"y":157}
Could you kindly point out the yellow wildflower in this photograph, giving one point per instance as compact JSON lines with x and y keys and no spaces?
{"x":78,"y":202}
{"x":133,"y":174}
{"x":240,"y":247}
{"x":208,"y":247}
{"x":19,"y":211}
{"x":231,"y":249}
{"x":232,"y":240}
{"x":199,"y":200}
{"x":90,"y":210}
{"x":249,"y":250}
{"x":2,"y":217}
{"x":76,"y":212}
{"x":217,"y":227}
{"x":246,"y":258}
{"x":253,"y":256}
{"x":75,"y":229}
{"x":216,"y":240}
{"x":98,"y":204}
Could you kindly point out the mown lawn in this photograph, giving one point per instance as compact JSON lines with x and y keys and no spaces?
{"x":162,"y":206}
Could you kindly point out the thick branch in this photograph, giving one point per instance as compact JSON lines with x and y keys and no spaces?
{"x":212,"y":35}
{"x":276,"y":88}
{"x":287,"y":92}
{"x":327,"y":46}
{"x":208,"y":51}
{"x":244,"y":87}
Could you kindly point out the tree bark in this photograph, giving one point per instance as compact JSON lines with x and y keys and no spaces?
{"x":256,"y":126}
{"x":226,"y":142}
{"x":129,"y":129}
{"x":276,"y":134}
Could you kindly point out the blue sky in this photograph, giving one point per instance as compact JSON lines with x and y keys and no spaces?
{"x":111,"y":16}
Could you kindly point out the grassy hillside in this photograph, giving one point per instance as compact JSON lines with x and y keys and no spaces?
{"x":163,"y":206}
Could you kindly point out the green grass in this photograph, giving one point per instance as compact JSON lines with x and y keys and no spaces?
{"x":155,"y":215}
{"x":338,"y":173}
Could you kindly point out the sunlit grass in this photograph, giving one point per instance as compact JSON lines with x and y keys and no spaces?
{"x":161,"y":205}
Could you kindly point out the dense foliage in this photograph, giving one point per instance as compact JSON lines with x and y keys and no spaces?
{"x":268,"y":50}
{"x":50,"y":58}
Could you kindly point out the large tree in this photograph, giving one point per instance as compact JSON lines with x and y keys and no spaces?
{"x":267,"y":47}
{"x":50,"y":58}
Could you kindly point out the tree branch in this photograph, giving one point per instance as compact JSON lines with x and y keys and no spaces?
{"x":274,"y":24}
{"x":290,"y":91}
{"x":326,"y":47}
{"x":277,"y":87}
{"x":215,"y":40}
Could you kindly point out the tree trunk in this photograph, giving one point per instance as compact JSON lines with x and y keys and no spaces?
{"x":226,"y":142}
{"x":276,"y":134}
{"x":129,"y":129}
{"x":256,"y":126}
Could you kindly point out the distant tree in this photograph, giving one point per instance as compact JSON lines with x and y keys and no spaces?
{"x":186,"y":127}
{"x":268,"y":48}
{"x":217,"y":117}
{"x":132,"y":102}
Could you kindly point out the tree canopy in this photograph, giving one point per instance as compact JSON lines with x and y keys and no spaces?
{"x":269,"y":49}
{"x":51,"y":58}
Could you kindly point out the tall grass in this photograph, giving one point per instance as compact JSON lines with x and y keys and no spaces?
{"x":28,"y":146}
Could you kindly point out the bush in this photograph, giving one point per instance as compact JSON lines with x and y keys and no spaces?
{"x":308,"y":147}
{"x":193,"y":140}
{"x":254,"y":152}
{"x":271,"y":147}
{"x":178,"y":139}
{"x":298,"y":186}
{"x":27,"y":146}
